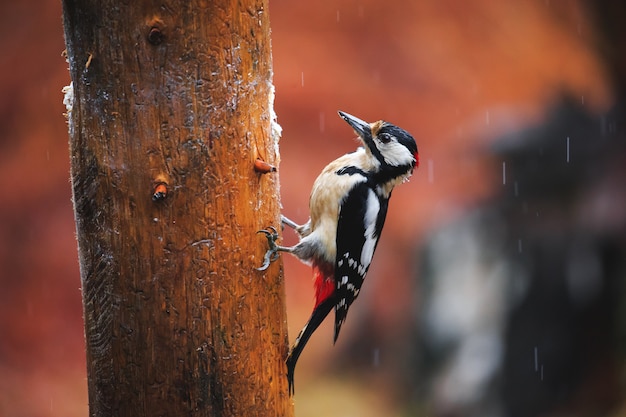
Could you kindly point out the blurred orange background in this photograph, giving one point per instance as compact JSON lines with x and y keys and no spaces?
{"x":457,"y":75}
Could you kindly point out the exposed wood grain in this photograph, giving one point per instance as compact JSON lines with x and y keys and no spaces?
{"x":174,"y":98}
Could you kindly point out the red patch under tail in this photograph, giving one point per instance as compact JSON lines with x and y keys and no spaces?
{"x":324,"y":281}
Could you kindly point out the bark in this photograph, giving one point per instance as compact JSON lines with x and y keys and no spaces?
{"x":171,"y":106}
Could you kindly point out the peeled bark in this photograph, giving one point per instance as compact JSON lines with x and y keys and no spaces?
{"x":171,"y":106}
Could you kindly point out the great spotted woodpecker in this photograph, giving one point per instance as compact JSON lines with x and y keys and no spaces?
{"x":348,"y":206}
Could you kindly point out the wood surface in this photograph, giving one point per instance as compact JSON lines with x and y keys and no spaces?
{"x":171,"y":107}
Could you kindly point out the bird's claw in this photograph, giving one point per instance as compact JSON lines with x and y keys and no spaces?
{"x":272,"y":253}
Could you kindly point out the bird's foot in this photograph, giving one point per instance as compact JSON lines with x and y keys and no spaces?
{"x":272,"y":253}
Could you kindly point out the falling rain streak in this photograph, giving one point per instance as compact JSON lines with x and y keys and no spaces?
{"x":567,"y":152}
{"x":538,"y":367}
{"x":503,"y":173}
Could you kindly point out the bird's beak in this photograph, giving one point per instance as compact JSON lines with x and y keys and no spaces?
{"x":361,"y":127}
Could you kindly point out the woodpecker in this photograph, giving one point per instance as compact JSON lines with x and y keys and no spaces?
{"x":348,"y":206}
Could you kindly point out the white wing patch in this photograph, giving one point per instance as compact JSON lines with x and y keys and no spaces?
{"x":371,"y":215}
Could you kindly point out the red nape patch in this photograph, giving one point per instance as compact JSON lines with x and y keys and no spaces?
{"x":324,"y":282}
{"x":417,"y":159}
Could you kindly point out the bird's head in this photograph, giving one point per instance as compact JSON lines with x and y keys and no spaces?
{"x":393,"y":147}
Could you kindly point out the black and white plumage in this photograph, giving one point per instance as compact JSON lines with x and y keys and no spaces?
{"x":358,"y":229}
{"x":348,"y":207}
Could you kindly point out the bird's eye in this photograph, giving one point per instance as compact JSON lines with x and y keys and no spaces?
{"x":384,"y":137}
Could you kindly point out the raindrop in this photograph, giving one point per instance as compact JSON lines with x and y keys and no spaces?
{"x":567,"y":158}
{"x":536,"y":359}
{"x":519,"y":249}
{"x":337,"y":16}
{"x":302,"y":79}
{"x":487,"y":117}
{"x":503,"y":173}
{"x":431,"y":171}
{"x":516,"y":189}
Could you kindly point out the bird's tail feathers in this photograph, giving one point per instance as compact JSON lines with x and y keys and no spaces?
{"x":317,"y":317}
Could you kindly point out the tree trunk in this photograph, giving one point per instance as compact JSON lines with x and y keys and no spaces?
{"x":171,"y":106}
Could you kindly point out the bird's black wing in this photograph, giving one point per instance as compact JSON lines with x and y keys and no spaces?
{"x":361,"y":218}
